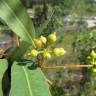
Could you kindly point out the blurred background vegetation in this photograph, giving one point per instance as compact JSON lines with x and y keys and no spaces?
{"x":74,"y":21}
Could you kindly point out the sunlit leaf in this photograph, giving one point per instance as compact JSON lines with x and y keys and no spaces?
{"x":16,"y":17}
{"x":28,"y":81}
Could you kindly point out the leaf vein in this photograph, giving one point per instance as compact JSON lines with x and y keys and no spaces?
{"x":28,"y":82}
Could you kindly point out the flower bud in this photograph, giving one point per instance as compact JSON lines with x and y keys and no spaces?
{"x":62,"y":51}
{"x":93,"y":54}
{"x":47,"y":55}
{"x":94,"y":70}
{"x":43,"y":39}
{"x":59,"y":51}
{"x":52,"y":37}
{"x":34,"y":53}
{"x":56,"y":51}
{"x":38,"y":43}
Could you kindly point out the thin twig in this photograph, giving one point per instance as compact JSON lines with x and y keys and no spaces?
{"x":71,"y":66}
{"x":16,"y":39}
{"x":49,"y":82}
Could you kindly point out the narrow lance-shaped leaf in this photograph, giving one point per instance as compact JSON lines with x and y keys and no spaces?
{"x":3,"y":68}
{"x":28,"y":82}
{"x":16,"y":17}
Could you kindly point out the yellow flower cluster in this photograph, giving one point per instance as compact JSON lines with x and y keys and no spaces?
{"x":46,"y":52}
{"x":40,"y":42}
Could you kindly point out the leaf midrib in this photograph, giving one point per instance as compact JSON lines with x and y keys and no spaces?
{"x":27,"y":80}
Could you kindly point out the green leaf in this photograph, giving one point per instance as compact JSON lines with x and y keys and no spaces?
{"x":28,"y":82}
{"x":17,"y":53}
{"x":3,"y":68}
{"x":16,"y":17}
